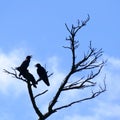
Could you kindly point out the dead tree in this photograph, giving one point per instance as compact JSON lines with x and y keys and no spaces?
{"x":90,"y":62}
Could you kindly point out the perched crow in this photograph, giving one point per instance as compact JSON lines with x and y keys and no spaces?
{"x":23,"y":67}
{"x":28,"y":76}
{"x":42,"y":74}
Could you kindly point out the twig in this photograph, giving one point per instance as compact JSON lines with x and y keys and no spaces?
{"x":40,"y":94}
{"x":14,"y":74}
{"x":94,"y":94}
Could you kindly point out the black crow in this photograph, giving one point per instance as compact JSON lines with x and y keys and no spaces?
{"x":23,"y":67}
{"x":42,"y":74}
{"x":28,"y":76}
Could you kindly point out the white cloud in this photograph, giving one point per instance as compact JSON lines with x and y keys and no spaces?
{"x":105,"y":107}
{"x":101,"y":112}
{"x":7,"y":61}
{"x":12,"y":59}
{"x":8,"y":84}
{"x":112,"y":71}
{"x":107,"y":104}
{"x":108,"y":110}
{"x":114,"y":62}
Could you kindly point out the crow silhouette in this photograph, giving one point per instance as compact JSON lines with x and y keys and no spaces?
{"x":29,"y":77}
{"x":23,"y":67}
{"x":42,"y":74}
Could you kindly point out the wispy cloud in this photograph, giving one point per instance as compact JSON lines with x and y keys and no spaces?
{"x":7,"y":61}
{"x":107,"y":106}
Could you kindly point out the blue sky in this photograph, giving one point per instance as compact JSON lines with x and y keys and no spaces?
{"x":38,"y":28}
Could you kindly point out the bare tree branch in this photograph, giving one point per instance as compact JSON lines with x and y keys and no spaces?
{"x":89,"y":64}
{"x":40,"y":94}
{"x":83,"y":83}
{"x":74,"y":43}
{"x":14,"y":74}
{"x":38,"y":112}
{"x":94,"y":94}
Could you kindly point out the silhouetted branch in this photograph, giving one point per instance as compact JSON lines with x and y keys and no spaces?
{"x":90,"y":65}
{"x":83,"y":83}
{"x":40,"y":94}
{"x":38,"y":112}
{"x":73,"y":45}
{"x":89,"y":62}
{"x":14,"y":74}
{"x":94,"y":94}
{"x":75,"y":29}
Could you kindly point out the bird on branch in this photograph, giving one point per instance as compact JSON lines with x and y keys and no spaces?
{"x":30,"y":78}
{"x":23,"y":67}
{"x":42,"y":74}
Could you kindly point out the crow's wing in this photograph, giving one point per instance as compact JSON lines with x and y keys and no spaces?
{"x":43,"y":75}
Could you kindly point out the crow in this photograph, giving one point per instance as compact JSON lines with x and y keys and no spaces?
{"x":23,"y":67}
{"x":29,"y":77}
{"x":42,"y":74}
